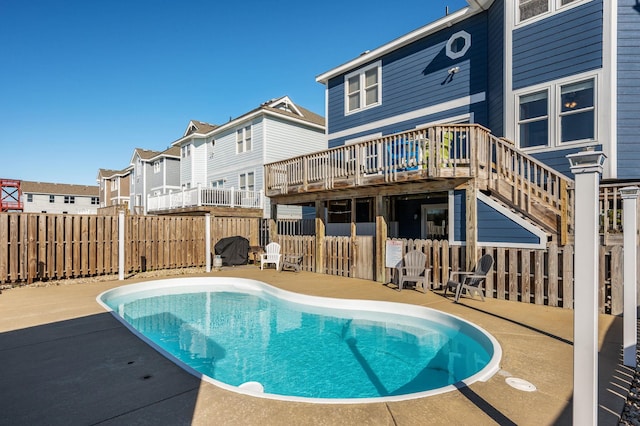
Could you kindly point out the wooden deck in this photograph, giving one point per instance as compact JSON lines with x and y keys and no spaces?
{"x":435,"y":158}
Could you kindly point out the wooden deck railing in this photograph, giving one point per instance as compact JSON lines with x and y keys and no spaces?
{"x":436,"y":152}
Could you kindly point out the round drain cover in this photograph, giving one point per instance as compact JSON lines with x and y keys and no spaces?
{"x":520,"y":384}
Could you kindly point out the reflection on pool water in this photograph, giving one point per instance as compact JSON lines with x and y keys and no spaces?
{"x":235,"y":331}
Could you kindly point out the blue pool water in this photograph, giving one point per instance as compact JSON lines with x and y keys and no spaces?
{"x":296,"y":348}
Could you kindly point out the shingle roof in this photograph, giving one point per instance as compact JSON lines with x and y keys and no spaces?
{"x":107,"y":173}
{"x":28,"y":187}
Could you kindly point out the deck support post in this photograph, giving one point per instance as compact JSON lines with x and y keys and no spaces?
{"x":381,"y":239}
{"x":471,"y":203}
{"x":586,"y":167}
{"x":630,"y":316}
{"x":320,"y":233}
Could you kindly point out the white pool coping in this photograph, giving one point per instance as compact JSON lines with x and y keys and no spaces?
{"x":200,"y":284}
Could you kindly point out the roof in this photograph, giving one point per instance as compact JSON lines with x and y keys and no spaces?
{"x":28,"y":187}
{"x":199,"y":127}
{"x":107,"y":173}
{"x":475,"y":7}
{"x":282,"y":106}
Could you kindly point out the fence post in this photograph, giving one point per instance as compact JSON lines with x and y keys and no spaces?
{"x":630,"y":314}
{"x":121,"y":245}
{"x":320,"y":234}
{"x":586,"y":167}
{"x":207,"y":241}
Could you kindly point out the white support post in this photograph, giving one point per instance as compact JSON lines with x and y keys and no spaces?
{"x":199,"y":195}
{"x":587,"y":167}
{"x":233,"y":198}
{"x":121,"y":245}
{"x":629,"y":196}
{"x":207,"y":241}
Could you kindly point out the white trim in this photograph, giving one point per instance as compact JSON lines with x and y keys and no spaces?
{"x":509,"y":112}
{"x":445,"y":106}
{"x":287,"y":101}
{"x":609,"y":87}
{"x":449,"y":120}
{"x":555,"y":8}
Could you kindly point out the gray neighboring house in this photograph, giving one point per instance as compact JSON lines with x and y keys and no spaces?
{"x":153,"y":173}
{"x":44,"y":197}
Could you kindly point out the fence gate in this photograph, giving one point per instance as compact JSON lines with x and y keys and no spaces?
{"x":364,"y":262}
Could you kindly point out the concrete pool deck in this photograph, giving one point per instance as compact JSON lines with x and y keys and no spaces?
{"x":64,"y":360}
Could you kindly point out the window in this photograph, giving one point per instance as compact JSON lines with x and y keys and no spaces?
{"x":534,"y":120}
{"x":564,"y":112}
{"x":363,"y":88}
{"x":95,"y":201}
{"x":69,"y":199}
{"x":243,"y":140}
{"x":186,"y":151}
{"x":29,"y":198}
{"x":577,"y":112}
{"x":114,"y":185}
{"x":156,"y":166}
{"x":247,"y":181}
{"x":217,"y":183}
{"x":52,"y":198}
{"x":528,"y":9}
{"x":458,"y":45}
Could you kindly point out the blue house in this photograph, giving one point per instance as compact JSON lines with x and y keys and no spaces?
{"x":460,"y":129}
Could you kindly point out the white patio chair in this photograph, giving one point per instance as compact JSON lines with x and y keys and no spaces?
{"x":413,"y":269}
{"x":271,"y":255}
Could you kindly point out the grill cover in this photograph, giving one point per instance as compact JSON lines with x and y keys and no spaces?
{"x":233,"y":250}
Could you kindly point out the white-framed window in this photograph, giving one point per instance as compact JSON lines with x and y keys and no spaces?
{"x":95,"y":201}
{"x":243,"y":139}
{"x":528,"y":10}
{"x":157,"y":166}
{"x":114,"y":185}
{"x":363,"y":88}
{"x":69,"y":199}
{"x":247,"y":181}
{"x":217,"y":184}
{"x":52,"y":198}
{"x":186,"y":150}
{"x":29,"y":198}
{"x":558,"y":114}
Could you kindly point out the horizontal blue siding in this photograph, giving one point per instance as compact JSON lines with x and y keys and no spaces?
{"x":628,"y":89}
{"x":493,"y":226}
{"x":557,"y":159}
{"x":495,"y":64}
{"x":562,"y":45}
{"x":413,"y":77}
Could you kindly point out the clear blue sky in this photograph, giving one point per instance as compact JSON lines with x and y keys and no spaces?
{"x":85,"y":82}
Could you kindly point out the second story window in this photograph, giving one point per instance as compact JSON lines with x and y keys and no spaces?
{"x":243,"y":140}
{"x":95,"y":201}
{"x":534,"y":119}
{"x":69,"y":199}
{"x":29,"y":198}
{"x":528,"y":9}
{"x":219,"y":184}
{"x":52,"y":198}
{"x":363,"y":88}
{"x":186,"y":151}
{"x":156,"y":166}
{"x":114,"y":185}
{"x":247,"y":182}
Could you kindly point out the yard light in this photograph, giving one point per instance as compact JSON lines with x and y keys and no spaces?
{"x":629,"y":196}
{"x":587,"y":167}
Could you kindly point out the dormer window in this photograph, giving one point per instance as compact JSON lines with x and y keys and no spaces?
{"x":363,"y":88}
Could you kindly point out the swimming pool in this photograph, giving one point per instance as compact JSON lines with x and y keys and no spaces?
{"x":233,"y":331}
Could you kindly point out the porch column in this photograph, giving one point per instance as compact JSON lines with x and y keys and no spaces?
{"x":381,"y":239}
{"x":630,"y":316}
{"x":586,"y":167}
{"x":320,"y":233}
{"x":471,"y":203}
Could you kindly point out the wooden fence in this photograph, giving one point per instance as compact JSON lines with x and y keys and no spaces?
{"x":45,"y":246}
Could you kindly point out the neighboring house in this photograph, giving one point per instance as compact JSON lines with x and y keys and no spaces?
{"x":114,"y":186}
{"x":551,"y":77}
{"x":232,"y":155}
{"x":153,"y":173}
{"x":43,"y":197}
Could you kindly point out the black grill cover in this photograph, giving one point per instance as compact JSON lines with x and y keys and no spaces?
{"x":233,"y":250}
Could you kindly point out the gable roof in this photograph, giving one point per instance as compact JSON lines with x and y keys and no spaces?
{"x":198,"y":127}
{"x":29,"y":187}
{"x":282,"y":107}
{"x":109,"y":174}
{"x":475,"y":7}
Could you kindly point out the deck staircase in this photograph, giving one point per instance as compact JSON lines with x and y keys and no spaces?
{"x":457,"y":153}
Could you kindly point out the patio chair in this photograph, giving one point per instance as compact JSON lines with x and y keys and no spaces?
{"x":413,"y":269}
{"x":470,"y":281}
{"x":271,"y":255}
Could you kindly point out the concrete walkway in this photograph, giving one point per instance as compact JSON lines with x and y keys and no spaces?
{"x":64,"y":361}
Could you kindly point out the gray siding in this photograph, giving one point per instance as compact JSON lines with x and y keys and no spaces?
{"x":286,"y":139}
{"x":628,"y":89}
{"x":172,"y":169}
{"x":562,"y":45}
{"x":415,"y":77}
{"x":495,"y":65}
